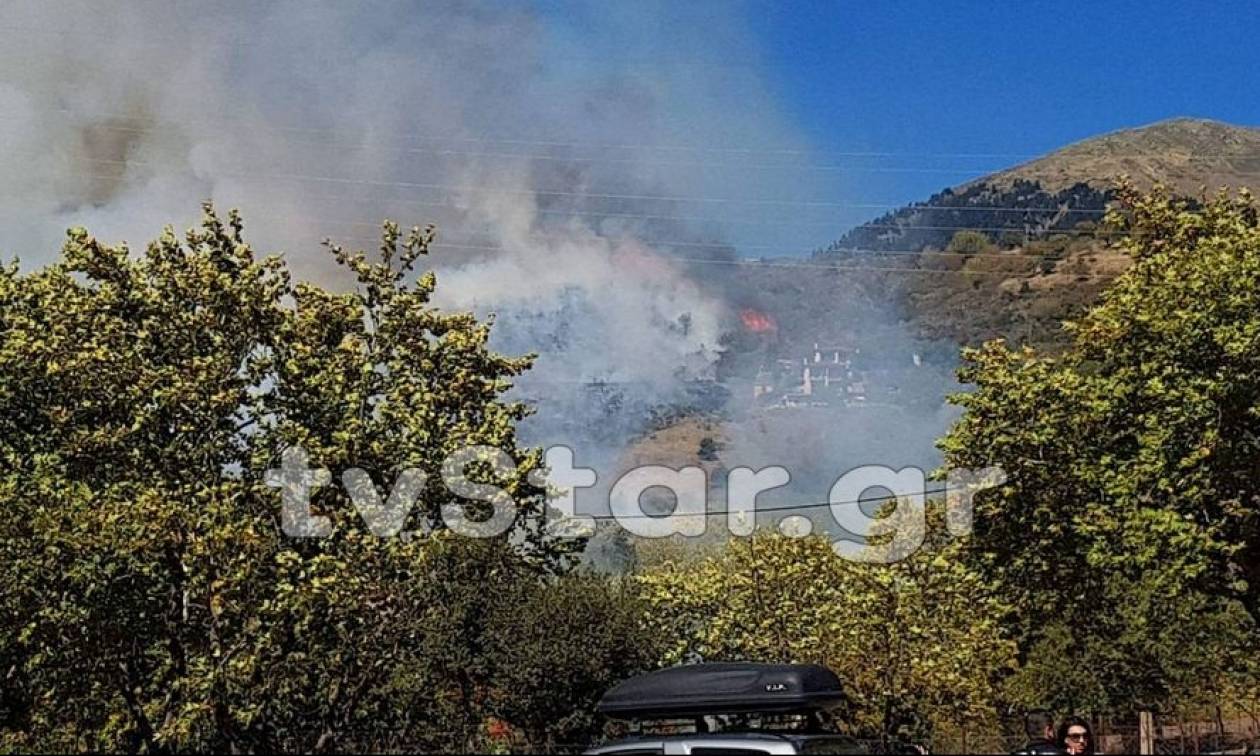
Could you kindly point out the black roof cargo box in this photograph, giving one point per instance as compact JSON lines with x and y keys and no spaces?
{"x":699,"y":689}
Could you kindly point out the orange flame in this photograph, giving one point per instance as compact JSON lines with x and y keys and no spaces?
{"x":756,"y":321}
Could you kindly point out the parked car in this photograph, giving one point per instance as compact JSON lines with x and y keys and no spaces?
{"x":710,"y":696}
{"x":732,"y":744}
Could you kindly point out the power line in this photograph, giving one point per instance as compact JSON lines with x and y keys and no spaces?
{"x":599,"y":146}
{"x":603,"y":146}
{"x":602,"y":159}
{"x":839,"y":254}
{"x":842,"y":255}
{"x":866,"y":268}
{"x":722,"y":245}
{"x":839,"y":268}
{"x":1029,"y":230}
{"x":308,"y":178}
{"x":343,"y":199}
{"x":776,"y":508}
{"x":776,"y":249}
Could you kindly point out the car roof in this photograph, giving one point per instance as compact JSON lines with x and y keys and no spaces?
{"x":768,"y":742}
{"x":723,"y":688}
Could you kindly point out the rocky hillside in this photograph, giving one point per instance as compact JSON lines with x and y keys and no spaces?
{"x":1012,"y":212}
{"x":1187,"y":154}
{"x":1021,"y":250}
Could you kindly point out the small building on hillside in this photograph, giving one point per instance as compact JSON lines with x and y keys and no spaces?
{"x":823,"y":376}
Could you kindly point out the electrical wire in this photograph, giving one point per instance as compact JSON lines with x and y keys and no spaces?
{"x":775,"y":508}
{"x":491,"y":190}
{"x":147,"y":125}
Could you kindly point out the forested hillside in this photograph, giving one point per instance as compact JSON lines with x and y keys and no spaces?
{"x":1025,"y":246}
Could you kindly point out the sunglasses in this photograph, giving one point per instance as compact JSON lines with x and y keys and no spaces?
{"x":1077,"y":736}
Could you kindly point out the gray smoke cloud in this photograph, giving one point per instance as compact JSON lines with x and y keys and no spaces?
{"x":497,"y":121}
{"x":319,"y":117}
{"x":578,"y":159}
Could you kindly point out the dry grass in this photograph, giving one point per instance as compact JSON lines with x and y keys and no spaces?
{"x":1187,"y":154}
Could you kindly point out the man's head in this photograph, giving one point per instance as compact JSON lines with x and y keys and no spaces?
{"x":1039,"y":725}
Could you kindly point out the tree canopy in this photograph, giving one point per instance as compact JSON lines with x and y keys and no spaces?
{"x":148,"y":597}
{"x":154,"y":598}
{"x":917,"y":642}
{"x":1131,"y":510}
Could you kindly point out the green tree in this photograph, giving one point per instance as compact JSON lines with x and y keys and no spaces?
{"x":916,"y":642}
{"x":557,"y":646}
{"x":148,"y":598}
{"x":968,"y":242}
{"x":1131,"y":505}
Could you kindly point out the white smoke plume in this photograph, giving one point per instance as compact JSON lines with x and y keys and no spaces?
{"x":576,"y":157}
{"x":509,"y":125}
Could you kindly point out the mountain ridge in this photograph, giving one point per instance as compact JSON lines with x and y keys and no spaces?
{"x":1032,"y":256}
{"x":1063,"y":188}
{"x":1186,"y":153}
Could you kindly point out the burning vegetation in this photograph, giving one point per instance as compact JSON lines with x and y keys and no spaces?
{"x":756,"y":321}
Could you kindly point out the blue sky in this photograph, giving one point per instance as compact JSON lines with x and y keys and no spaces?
{"x":928,"y":85}
{"x":987,"y":77}
{"x":740,"y":116}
